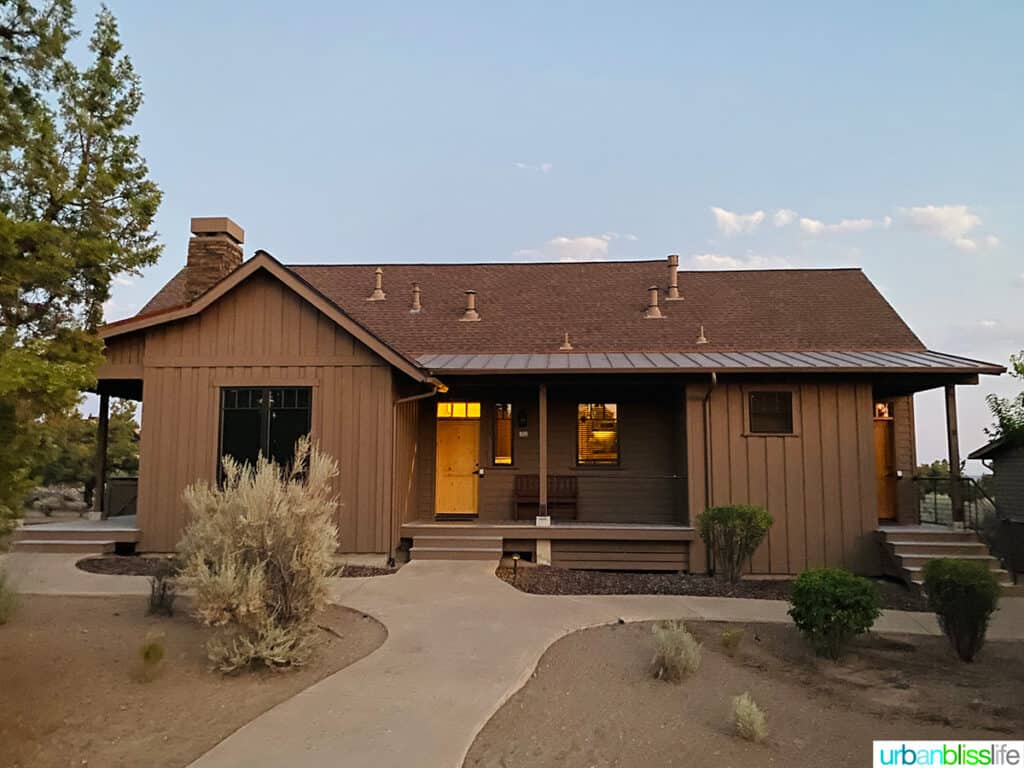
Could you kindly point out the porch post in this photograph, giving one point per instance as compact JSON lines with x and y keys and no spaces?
{"x":542,"y":437}
{"x":953,"y":439}
{"x":102,"y":424}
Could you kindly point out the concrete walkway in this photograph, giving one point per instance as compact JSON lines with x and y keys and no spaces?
{"x":460,"y":643}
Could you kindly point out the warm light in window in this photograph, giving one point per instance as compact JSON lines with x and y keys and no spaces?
{"x":597,"y":433}
{"x":462,"y":410}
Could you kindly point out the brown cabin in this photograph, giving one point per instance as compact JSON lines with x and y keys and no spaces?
{"x":576,"y":413}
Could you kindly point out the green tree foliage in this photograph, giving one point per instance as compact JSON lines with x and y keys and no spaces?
{"x":76,"y":209}
{"x":70,"y":446}
{"x":1009,"y":411}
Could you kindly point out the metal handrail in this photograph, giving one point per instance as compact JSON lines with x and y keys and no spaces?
{"x":935,"y":500}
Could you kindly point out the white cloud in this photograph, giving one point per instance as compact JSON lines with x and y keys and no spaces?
{"x":953,"y":223}
{"x":539,"y":167}
{"x":992,"y":241}
{"x":124,"y":279}
{"x":730,"y":223}
{"x":720,"y":261}
{"x":784,"y":217}
{"x":817,"y":227}
{"x":582,"y":248}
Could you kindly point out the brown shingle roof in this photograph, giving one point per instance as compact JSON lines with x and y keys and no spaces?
{"x":528,"y":308}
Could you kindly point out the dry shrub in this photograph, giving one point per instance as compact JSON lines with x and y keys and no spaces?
{"x":731,"y":639}
{"x":257,"y":553}
{"x":162,"y":590}
{"x":8,"y":599}
{"x":749,"y":718}
{"x":676,"y":652}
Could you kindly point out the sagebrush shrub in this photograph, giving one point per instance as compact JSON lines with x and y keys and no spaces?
{"x":749,"y":718}
{"x":733,"y":533}
{"x":731,"y":639}
{"x":831,"y":606}
{"x":8,"y":599}
{"x":151,"y":653}
{"x":676,"y":652}
{"x":963,"y":595}
{"x":257,"y":553}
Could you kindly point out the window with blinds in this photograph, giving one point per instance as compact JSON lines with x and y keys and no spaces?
{"x":503,"y":434}
{"x":771,"y":412}
{"x":597,"y":434}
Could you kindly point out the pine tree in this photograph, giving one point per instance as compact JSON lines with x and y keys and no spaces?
{"x":76,"y":209}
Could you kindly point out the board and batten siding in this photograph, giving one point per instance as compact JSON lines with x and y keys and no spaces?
{"x":818,"y":484}
{"x":262,"y":334}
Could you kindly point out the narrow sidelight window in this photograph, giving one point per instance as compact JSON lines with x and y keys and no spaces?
{"x":267,"y":420}
{"x":503,"y":433}
{"x":597,"y":433}
{"x":771,"y":413}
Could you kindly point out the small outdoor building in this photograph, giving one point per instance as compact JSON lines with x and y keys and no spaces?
{"x":468,"y":404}
{"x":1005,"y":457}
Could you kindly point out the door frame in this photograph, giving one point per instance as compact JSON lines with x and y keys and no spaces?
{"x":886,"y":481}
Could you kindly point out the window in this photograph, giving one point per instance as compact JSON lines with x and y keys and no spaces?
{"x":503,"y":433}
{"x":597,"y":432}
{"x":458,"y":410}
{"x":771,"y":412}
{"x":265,"y":420}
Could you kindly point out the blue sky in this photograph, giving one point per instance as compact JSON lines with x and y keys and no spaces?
{"x":887,"y":135}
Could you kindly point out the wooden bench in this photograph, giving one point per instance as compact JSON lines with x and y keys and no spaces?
{"x":562,"y":496}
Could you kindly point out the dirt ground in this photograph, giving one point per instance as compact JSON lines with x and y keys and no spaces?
{"x":71,"y":694}
{"x":546,"y":580}
{"x":592,"y":702}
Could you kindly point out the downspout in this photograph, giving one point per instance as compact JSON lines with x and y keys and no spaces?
{"x":435,"y":387}
{"x":707,"y":457}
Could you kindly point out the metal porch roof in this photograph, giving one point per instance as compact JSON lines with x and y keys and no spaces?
{"x":925,"y":361}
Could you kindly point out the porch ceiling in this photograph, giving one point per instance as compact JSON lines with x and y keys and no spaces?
{"x":886,"y":361}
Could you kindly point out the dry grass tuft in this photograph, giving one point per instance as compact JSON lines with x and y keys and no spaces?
{"x":677,"y":653}
{"x":749,"y":719}
{"x":731,"y":640}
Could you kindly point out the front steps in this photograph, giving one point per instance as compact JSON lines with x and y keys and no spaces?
{"x":84,"y":537}
{"x":456,"y":548}
{"x":907,"y":549}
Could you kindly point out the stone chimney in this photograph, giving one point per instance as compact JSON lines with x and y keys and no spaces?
{"x":214,"y":250}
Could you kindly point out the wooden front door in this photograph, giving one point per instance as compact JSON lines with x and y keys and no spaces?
{"x":458,"y":451}
{"x":885,"y":462}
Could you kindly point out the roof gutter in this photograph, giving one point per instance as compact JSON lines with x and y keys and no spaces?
{"x":435,"y":387}
{"x":712,"y":383}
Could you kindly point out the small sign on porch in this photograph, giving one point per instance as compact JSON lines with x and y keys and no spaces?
{"x":543,"y":521}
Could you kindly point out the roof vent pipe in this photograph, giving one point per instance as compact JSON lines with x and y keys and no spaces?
{"x":653,"y":312}
{"x":416,"y":306}
{"x":470,"y":315}
{"x":702,"y":339}
{"x":673,"y":278}
{"x":565,"y":346}
{"x":378,"y":286}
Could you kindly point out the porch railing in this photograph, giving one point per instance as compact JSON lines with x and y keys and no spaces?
{"x":937,"y":495}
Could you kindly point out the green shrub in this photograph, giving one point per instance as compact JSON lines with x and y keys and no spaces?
{"x":733,"y":533}
{"x":831,"y":606}
{"x":731,"y":639}
{"x":257,"y":554}
{"x":749,"y":718}
{"x":676,"y":652}
{"x":151,"y":654}
{"x":8,"y":599}
{"x":963,"y":594}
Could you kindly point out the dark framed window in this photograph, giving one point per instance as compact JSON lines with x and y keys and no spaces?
{"x":597,"y":434}
{"x":263,"y":420}
{"x":503,"y":434}
{"x":771,"y":412}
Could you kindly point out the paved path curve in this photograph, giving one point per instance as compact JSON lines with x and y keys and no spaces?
{"x":460,"y":643}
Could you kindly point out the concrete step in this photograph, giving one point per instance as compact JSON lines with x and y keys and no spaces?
{"x":919,"y":559}
{"x":938,"y":548}
{"x":83,"y":547}
{"x":458,"y":542}
{"x":916,"y":574}
{"x":1009,"y":589}
{"x":454,"y":553}
{"x":40,"y":533}
{"x":922,"y":535}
